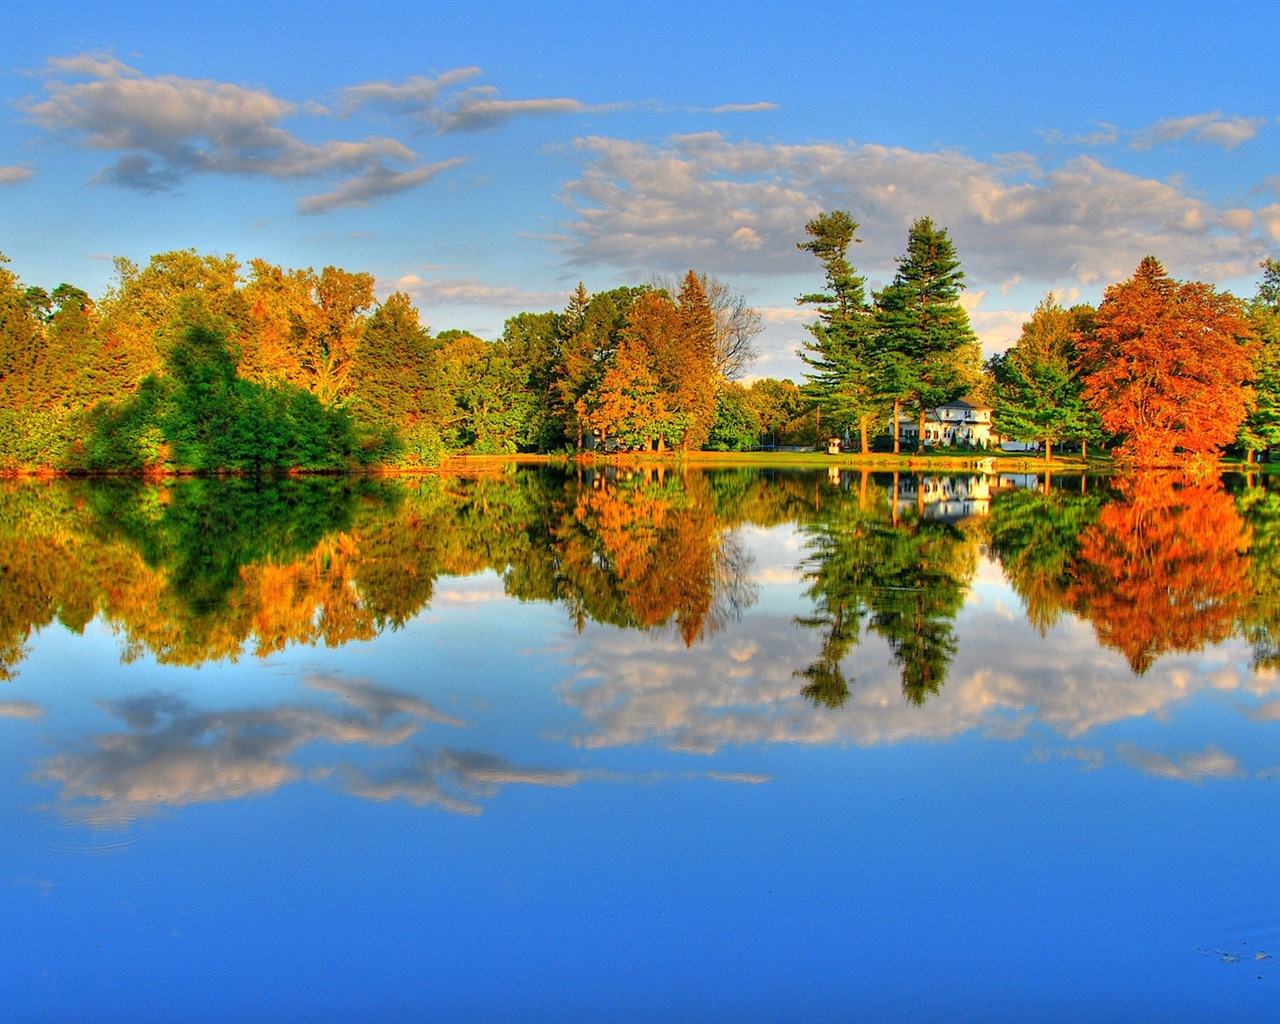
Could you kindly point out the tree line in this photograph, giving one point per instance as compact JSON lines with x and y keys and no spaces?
{"x":192,"y":364}
{"x":1162,"y":371}
{"x":196,"y":363}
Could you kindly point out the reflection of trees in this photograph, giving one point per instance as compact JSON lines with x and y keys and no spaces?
{"x":905,"y":576}
{"x":1260,"y":506}
{"x":198,"y":569}
{"x":1164,"y":568}
{"x":1035,"y":534}
{"x":648,"y":550}
{"x":1159,"y":565}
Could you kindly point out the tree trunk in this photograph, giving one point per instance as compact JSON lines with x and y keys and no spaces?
{"x":1084,"y":450}
{"x":866,"y":439}
{"x":920,"y":441}
{"x":1048,"y":449}
{"x":897,"y":411}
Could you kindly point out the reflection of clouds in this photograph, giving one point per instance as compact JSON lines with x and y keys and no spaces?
{"x":1210,"y":763}
{"x":1268,"y":711}
{"x":739,"y":687}
{"x":452,"y":780}
{"x":177,"y":755}
{"x":20,"y":709}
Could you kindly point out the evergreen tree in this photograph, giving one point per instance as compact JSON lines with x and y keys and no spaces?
{"x":931,"y":354}
{"x":845,"y":381}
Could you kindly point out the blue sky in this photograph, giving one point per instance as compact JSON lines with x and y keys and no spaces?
{"x":487,"y":157}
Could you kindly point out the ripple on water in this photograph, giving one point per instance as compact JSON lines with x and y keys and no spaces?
{"x":87,"y":835}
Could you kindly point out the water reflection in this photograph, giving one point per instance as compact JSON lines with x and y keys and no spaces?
{"x":202,"y":570}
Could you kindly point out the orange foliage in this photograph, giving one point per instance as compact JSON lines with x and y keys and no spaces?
{"x":1168,"y":363}
{"x":1165,"y":568}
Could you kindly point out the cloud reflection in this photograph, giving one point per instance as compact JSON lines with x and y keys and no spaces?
{"x":20,"y":709}
{"x":452,"y":780}
{"x":1006,"y":683}
{"x":174,"y":754}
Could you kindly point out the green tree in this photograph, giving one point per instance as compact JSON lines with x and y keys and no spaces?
{"x":736,"y":427}
{"x":930,"y":352}
{"x":1040,"y":395}
{"x":1261,"y":428}
{"x":845,"y":376}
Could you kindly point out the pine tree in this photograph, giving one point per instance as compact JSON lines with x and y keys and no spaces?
{"x":931,"y":354}
{"x":845,"y":381}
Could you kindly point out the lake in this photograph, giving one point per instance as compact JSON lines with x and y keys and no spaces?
{"x":605,"y":745}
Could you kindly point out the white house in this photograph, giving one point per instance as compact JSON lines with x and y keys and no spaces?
{"x":963,"y":421}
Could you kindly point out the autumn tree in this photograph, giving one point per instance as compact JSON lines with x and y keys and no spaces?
{"x":738,"y":324}
{"x":1040,"y":391}
{"x":844,"y":378}
{"x":688,"y":366}
{"x":930,"y":353}
{"x":1170,"y":362}
{"x":142,"y":313}
{"x":588,"y":335}
{"x":1169,"y":543}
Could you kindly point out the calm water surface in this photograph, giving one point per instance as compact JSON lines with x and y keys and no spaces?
{"x":729,"y":746}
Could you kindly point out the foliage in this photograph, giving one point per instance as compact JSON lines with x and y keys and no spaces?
{"x":930,"y":353}
{"x":736,"y":427}
{"x":1040,"y":393}
{"x":846,"y":379}
{"x":1167,"y":365}
{"x":1260,"y":430}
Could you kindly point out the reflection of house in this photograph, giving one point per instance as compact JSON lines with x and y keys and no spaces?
{"x":948,"y":498}
{"x":963,"y":421}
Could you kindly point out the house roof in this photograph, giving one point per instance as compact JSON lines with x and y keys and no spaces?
{"x":967,"y":402}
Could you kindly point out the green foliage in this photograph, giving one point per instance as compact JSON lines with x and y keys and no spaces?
{"x":200,"y":416}
{"x":736,"y":427}
{"x":1261,"y":428}
{"x":1040,"y":393}
{"x":931,"y":354}
{"x":846,"y":378}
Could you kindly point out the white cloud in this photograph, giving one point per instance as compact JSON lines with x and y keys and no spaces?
{"x":20,"y":709}
{"x":438,"y":105}
{"x":168,"y":129}
{"x":1270,"y":218}
{"x":429,"y":293}
{"x":16,"y":174}
{"x":374,"y":184}
{"x":641,"y":207}
{"x":743,"y":108}
{"x":1214,"y":129}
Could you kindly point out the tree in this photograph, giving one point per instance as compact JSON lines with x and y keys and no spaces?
{"x":1040,"y":393}
{"x":931,"y":354}
{"x":588,"y":335}
{"x":736,"y":427}
{"x":1261,"y":428}
{"x":737,"y":324}
{"x":845,"y":378}
{"x":780,"y":406}
{"x":1170,"y":362}
{"x":689,"y":366}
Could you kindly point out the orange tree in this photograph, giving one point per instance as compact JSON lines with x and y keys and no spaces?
{"x":1166,"y":366}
